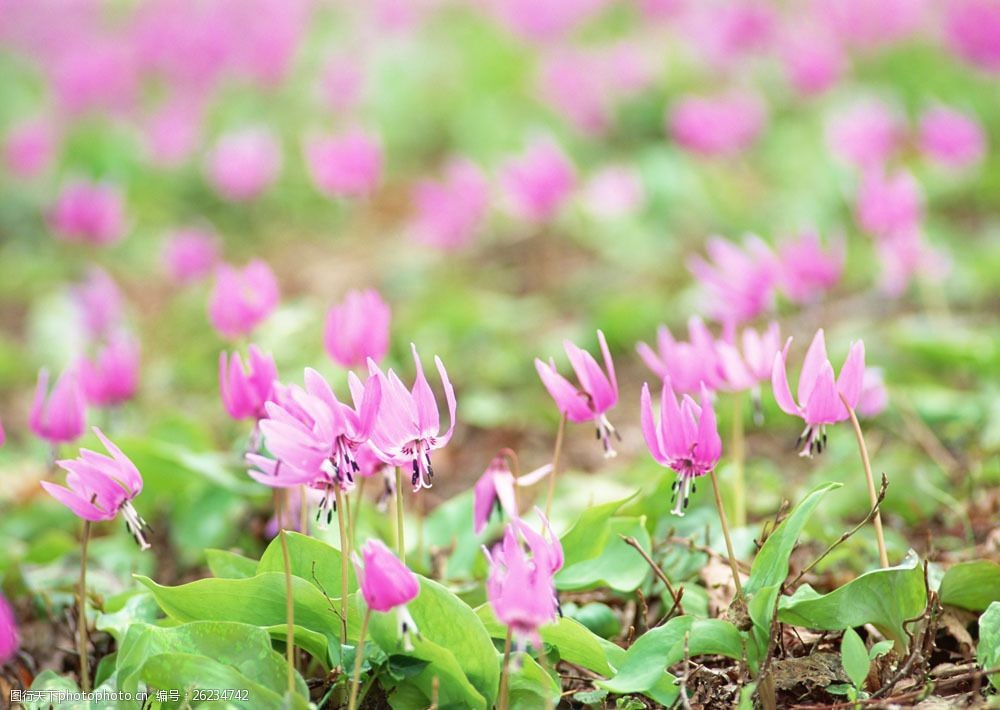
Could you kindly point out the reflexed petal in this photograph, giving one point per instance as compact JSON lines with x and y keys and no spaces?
{"x":654,"y":439}
{"x":449,"y":395}
{"x":779,"y":383}
{"x":852,"y":374}
{"x":811,"y":365}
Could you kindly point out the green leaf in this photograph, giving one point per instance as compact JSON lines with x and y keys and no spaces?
{"x":709,"y":637}
{"x":140,"y":607}
{"x":971,"y":585}
{"x":761,"y":610}
{"x":304,"y":554}
{"x":453,"y":686}
{"x":230,"y":565}
{"x":643,"y":669}
{"x":854,"y":657}
{"x":530,"y":684}
{"x":50,"y":680}
{"x":599,"y":618}
{"x":613,"y":563}
{"x":883,"y":597}
{"x":879,"y":649}
{"x":770,"y":566}
{"x":447,"y":622}
{"x":588,"y":535}
{"x":988,"y":653}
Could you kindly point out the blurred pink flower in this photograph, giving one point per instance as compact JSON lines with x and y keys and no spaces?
{"x":972,"y":29}
{"x":89,"y":212}
{"x":574,"y":84}
{"x":172,"y":133}
{"x":806,"y":270}
{"x":58,"y":417}
{"x":98,"y":301}
{"x":112,"y":375}
{"x":537,"y":182}
{"x":718,"y":125}
{"x":866,"y":134}
{"x":544,"y":20}
{"x":726,"y":32}
{"x":869,"y":25}
{"x":889,"y":205}
{"x":358,"y":329}
{"x":689,"y":364}
{"x":242,"y":298}
{"x":874,"y":396}
{"x":343,"y":82}
{"x":905,"y":256}
{"x":748,"y":361}
{"x":94,"y":71}
{"x":9,"y":639}
{"x":190,"y":255}
{"x":3,"y":435}
{"x":345,"y":165}
{"x":448,"y":212}
{"x":243,"y":163}
{"x":614,"y":191}
{"x":495,"y":490}
{"x":245,"y":389}
{"x":29,"y":148}
{"x":813,"y":59}
{"x":951,"y":138}
{"x":738,"y":283}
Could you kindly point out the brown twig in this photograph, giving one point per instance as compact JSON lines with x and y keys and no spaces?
{"x":705,"y":550}
{"x":866,"y":463}
{"x":675,"y":594}
{"x":682,"y":679}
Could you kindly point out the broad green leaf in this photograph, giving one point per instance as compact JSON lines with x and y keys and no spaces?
{"x":311,"y":641}
{"x":854,"y":657}
{"x":709,"y":637}
{"x":230,"y":565}
{"x":643,"y":669}
{"x":761,"y":610}
{"x":879,"y":649}
{"x":988,"y":652}
{"x":770,"y":566}
{"x":597,"y":617}
{"x":306,"y":555}
{"x":883,"y":597}
{"x":529,"y":684}
{"x":614,"y":563}
{"x":589,"y":533}
{"x":50,"y":680}
{"x":446,"y":621}
{"x":453,"y":687}
{"x":139,"y":607}
{"x":971,"y":585}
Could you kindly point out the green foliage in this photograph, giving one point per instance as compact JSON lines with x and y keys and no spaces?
{"x":988,"y":653}
{"x":310,"y":559}
{"x":854,"y":656}
{"x":971,"y":585}
{"x":230,"y":565}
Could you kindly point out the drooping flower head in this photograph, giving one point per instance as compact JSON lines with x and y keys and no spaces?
{"x":28,"y":148}
{"x":190,"y":255}
{"x":242,"y":298}
{"x":9,"y":638}
{"x":243,"y":163}
{"x":737,"y":283}
{"x":686,"y":438}
{"x":245,"y":388}
{"x":448,"y":212}
{"x":595,"y":394}
{"x":387,"y":584}
{"x":89,"y":212}
{"x":866,"y":134}
{"x":806,"y":270}
{"x":688,"y":364}
{"x":717,"y":125}
{"x":819,"y":394}
{"x":358,"y":329}
{"x":814,"y":60}
{"x":538,"y":182}
{"x":748,"y":361}
{"x":951,"y":138}
{"x":348,"y":165}
{"x":60,"y":418}
{"x":889,"y":205}
{"x":98,"y":301}
{"x":972,"y":28}
{"x":495,"y":489}
{"x":111,"y":377}
{"x":614,"y":191}
{"x":99,"y":486}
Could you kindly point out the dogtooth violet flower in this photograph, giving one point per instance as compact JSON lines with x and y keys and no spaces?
{"x":819,"y":394}
{"x":597,"y":393}
{"x":9,"y":640}
{"x":387,"y":584}
{"x":688,"y":363}
{"x":98,"y":301}
{"x":686,"y":439}
{"x":190,"y":255}
{"x":87,"y":212}
{"x":98,"y":487}
{"x":737,"y":282}
{"x":495,"y":490}
{"x":358,"y":329}
{"x":245,"y":388}
{"x":537,"y":182}
{"x":747,"y":361}
{"x":242,"y":298}
{"x":806,"y":269}
{"x":61,"y":417}
{"x":112,"y":375}
{"x":243,"y":163}
{"x":408,"y":425}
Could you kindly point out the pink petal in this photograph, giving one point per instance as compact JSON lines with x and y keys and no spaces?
{"x":814,"y":360}
{"x":852,"y":374}
{"x":779,"y":383}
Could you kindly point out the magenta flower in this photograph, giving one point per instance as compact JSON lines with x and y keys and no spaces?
{"x":689,"y":364}
{"x":29,"y":148}
{"x":9,"y":638}
{"x":613,"y":192}
{"x":538,"y":182}
{"x":972,"y":28}
{"x":866,"y":135}
{"x":190,"y":255}
{"x":172,"y":133}
{"x":243,"y":163}
{"x":494,"y":491}
{"x":387,"y":584}
{"x":813,"y":59}
{"x":951,"y":138}
{"x":347,"y":165}
{"x":407,"y":427}
{"x":874,"y":395}
{"x":905,"y":256}
{"x":748,"y":363}
{"x":597,"y":392}
{"x":806,"y":270}
{"x":889,"y":205}
{"x":112,"y":376}
{"x":242,"y":298}
{"x":575,"y":84}
{"x":738,"y":283}
{"x":819,"y":394}
{"x":61,"y":418}
{"x":448,"y":212}
{"x":686,"y":440}
{"x":98,"y":301}
{"x":246,"y":388}
{"x":717,"y":125}
{"x":89,"y":212}
{"x":100,"y":486}
{"x":3,"y":435}
{"x":358,"y":329}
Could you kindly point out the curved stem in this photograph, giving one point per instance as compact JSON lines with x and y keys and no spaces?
{"x":725,"y":533}
{"x":872,"y":495}
{"x":400,"y":533}
{"x":739,"y":462}
{"x":555,"y":465}
{"x":505,"y":671}
{"x":81,"y":637}
{"x":352,"y":526}
{"x":359,"y":655}
{"x":344,"y":553}
{"x":289,"y":613}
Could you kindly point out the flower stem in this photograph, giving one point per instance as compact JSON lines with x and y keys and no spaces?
{"x":344,"y":553}
{"x":357,"y":512}
{"x":400,"y":533}
{"x":739,"y":461}
{"x":725,"y":533}
{"x":555,"y":465}
{"x":81,"y":637}
{"x":359,"y":655}
{"x":872,"y":495}
{"x":505,"y":671}
{"x":289,"y":613}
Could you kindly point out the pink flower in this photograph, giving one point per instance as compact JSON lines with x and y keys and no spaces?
{"x":686,"y":439}
{"x":358,"y":329}
{"x":720,"y":125}
{"x":448,"y":212}
{"x":806,"y":270}
{"x":819,"y":395}
{"x":386,"y":583}
{"x":3,"y":435}
{"x":972,"y":28}
{"x":29,"y":148}
{"x":573,"y":84}
{"x":537,"y":182}
{"x":9,"y":638}
{"x":100,"y":486}
{"x":869,"y":25}
{"x":951,"y":138}
{"x":59,"y":419}
{"x":190,"y":255}
{"x":746,"y":366}
{"x":723,"y":33}
{"x":874,"y":396}
{"x":243,"y":163}
{"x":597,"y":392}
{"x":865,"y":135}
{"x":408,"y":426}
{"x":246,"y":388}
{"x":495,"y":490}
{"x":343,"y":82}
{"x":89,"y":212}
{"x":171,"y":134}
{"x":112,"y":376}
{"x":889,"y":205}
{"x":242,"y":298}
{"x":346,"y":165}
{"x":98,"y":301}
{"x":544,"y":20}
{"x":614,"y":191}
{"x":906,"y":255}
{"x":689,"y":365}
{"x":738,"y":284}
{"x":813,"y":59}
